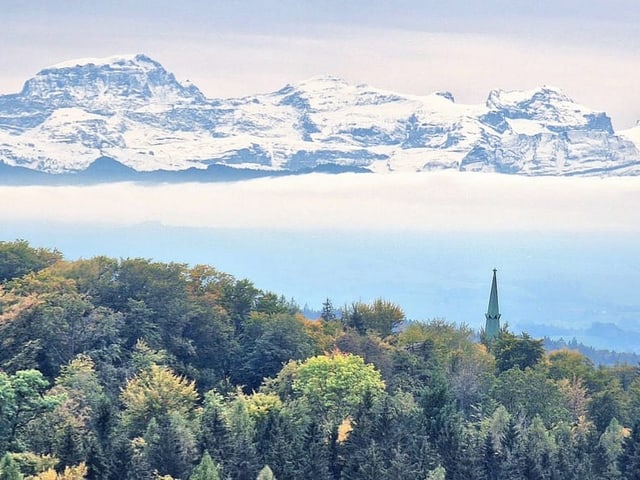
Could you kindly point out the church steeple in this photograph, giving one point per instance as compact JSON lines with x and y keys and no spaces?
{"x":492,"y":326}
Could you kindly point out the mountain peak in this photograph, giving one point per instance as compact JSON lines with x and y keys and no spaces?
{"x":128,"y":59}
{"x":505,"y":99}
{"x":321,"y":83}
{"x":99,"y":84}
{"x":548,"y":106}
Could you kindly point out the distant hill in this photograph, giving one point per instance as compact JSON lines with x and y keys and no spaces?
{"x":597,"y":356}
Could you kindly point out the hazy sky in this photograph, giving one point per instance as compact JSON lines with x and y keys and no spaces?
{"x":590,"y":49}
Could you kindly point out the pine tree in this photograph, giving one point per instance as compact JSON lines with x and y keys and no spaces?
{"x":241,"y":461}
{"x":9,"y":469}
{"x":314,"y":458}
{"x":328,"y":312}
{"x":492,"y":459}
{"x":213,"y":434}
{"x":443,"y":423}
{"x":97,"y":467}
{"x":630,"y":458}
{"x":71,"y":451}
{"x":275,"y":443}
{"x":206,"y":469}
{"x":266,"y":474}
{"x":170,"y":446}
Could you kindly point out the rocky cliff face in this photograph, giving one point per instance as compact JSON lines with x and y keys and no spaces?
{"x":129,"y":108}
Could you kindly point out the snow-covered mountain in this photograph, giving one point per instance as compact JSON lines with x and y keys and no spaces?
{"x":130,"y":109}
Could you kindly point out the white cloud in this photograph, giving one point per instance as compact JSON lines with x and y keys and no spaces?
{"x":446,"y":201}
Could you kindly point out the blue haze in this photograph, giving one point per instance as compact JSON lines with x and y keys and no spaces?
{"x":553,"y":284}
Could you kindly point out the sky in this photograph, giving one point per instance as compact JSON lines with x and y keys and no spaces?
{"x":590,"y":49}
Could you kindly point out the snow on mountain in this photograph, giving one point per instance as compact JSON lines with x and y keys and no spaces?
{"x":632,"y":134}
{"x":131,"y":109}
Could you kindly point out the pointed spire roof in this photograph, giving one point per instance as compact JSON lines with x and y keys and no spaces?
{"x":493,"y":311}
{"x":492,"y":325}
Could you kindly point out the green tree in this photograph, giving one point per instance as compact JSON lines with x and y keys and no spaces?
{"x":381,"y":317}
{"x":94,"y":277}
{"x":170,"y":446}
{"x":570,"y":364}
{"x":328,"y":313}
{"x":214,"y":345}
{"x":68,"y":430}
{"x":240,"y":460}
{"x":163,"y":290}
{"x":520,"y":351}
{"x":49,"y":328}
{"x":529,"y":393}
{"x":96,"y":461}
{"x":271,"y":304}
{"x":266,"y":474}
{"x":610,"y":447}
{"x":18,"y":258}
{"x":630,"y":458}
{"x":386,"y":440}
{"x":206,"y":469}
{"x":268,"y":342}
{"x":334,"y":385}
{"x":314,"y":457}
{"x":8,"y":469}
{"x":443,"y":424}
{"x":213,"y":434}
{"x":438,"y":474}
{"x":539,"y":447}
{"x":609,"y":403}
{"x":239,"y":299}
{"x":23,"y":399}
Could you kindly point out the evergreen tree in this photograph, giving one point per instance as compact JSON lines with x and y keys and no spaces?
{"x":169,"y":446}
{"x":314,"y":461}
{"x":328,"y":312}
{"x":241,"y":460}
{"x":275,"y":444}
{"x":442,"y":423}
{"x":97,"y":466}
{"x":8,"y":469}
{"x":120,"y":458}
{"x":266,"y":474}
{"x":538,"y":448}
{"x":71,"y":449}
{"x":206,"y":469}
{"x":492,"y":458}
{"x":630,"y":458}
{"x":361,"y":452}
{"x":213,"y":434}
{"x":512,"y":459}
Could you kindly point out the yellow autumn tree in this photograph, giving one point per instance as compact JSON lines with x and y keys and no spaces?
{"x":77,"y":472}
{"x":156,"y":392}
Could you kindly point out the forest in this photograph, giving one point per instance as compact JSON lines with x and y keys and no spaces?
{"x":135,"y":369}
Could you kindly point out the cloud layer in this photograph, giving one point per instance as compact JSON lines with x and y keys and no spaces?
{"x":443,"y":201}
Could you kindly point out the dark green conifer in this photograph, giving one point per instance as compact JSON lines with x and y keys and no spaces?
{"x":630,"y":458}
{"x":8,"y":469}
{"x":206,"y":469}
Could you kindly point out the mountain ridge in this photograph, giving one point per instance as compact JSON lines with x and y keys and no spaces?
{"x":131,"y":109}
